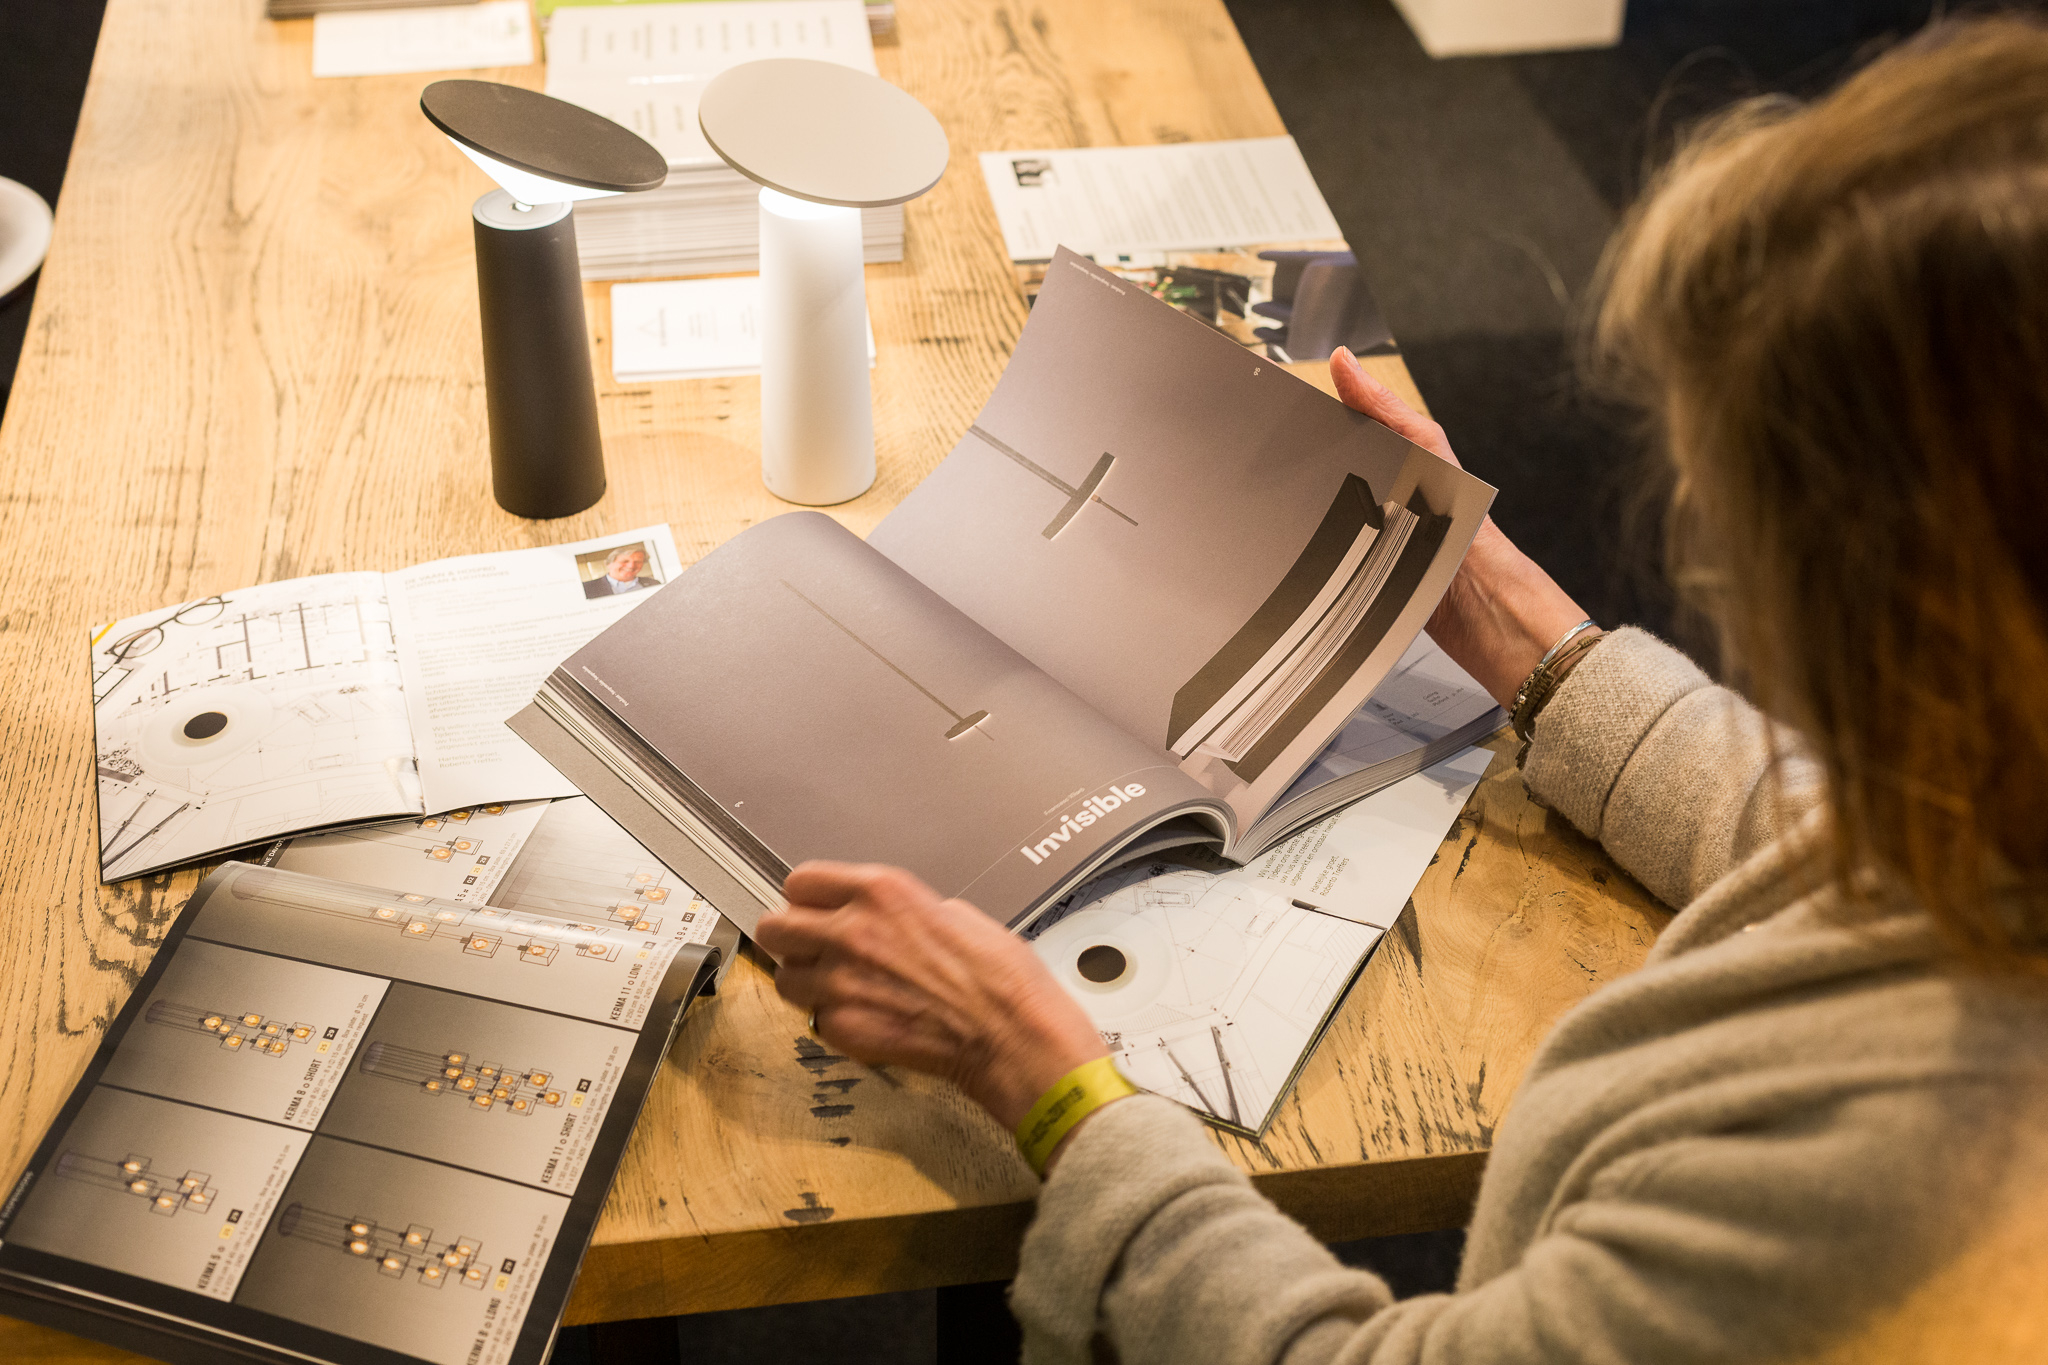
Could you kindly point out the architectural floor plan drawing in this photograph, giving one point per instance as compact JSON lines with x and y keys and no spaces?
{"x":224,"y":720}
{"x":131,"y":1175}
{"x":398,"y":1254}
{"x":1211,"y":987}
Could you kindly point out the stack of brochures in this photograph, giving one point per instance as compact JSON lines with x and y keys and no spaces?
{"x":645,"y":66}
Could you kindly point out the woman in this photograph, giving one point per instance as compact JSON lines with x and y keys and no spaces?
{"x":1814,"y":1125}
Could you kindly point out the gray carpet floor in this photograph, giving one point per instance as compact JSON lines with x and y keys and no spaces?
{"x":1477,"y":193}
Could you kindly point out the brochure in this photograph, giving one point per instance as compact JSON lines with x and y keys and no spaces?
{"x":1212,"y":983}
{"x":334,"y":1123}
{"x":1157,"y":576}
{"x":1234,"y":233}
{"x":342,"y":698}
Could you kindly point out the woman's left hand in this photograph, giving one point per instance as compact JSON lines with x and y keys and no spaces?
{"x":893,"y":974}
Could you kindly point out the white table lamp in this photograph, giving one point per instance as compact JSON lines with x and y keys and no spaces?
{"x":824,"y":142}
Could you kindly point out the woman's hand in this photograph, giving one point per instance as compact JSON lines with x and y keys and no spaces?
{"x":1502,"y":611}
{"x":894,"y":974}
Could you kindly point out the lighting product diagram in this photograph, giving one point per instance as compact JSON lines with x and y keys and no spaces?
{"x":445,"y":838}
{"x":395,"y":1254}
{"x":478,"y":931}
{"x":487,"y":1086}
{"x":131,"y":1175}
{"x":245,"y":1032}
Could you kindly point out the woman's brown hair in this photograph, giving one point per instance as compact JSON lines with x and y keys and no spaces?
{"x":1837,"y":317}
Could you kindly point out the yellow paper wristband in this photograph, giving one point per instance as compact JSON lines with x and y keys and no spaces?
{"x":1072,"y":1098}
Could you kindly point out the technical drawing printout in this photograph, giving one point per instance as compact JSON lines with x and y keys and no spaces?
{"x":1213,"y":986}
{"x":343,"y":698}
{"x":232,"y":718}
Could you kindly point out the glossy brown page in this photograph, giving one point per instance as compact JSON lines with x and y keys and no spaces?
{"x":814,"y":701}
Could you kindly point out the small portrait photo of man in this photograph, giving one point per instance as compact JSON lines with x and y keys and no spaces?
{"x":621,"y":569}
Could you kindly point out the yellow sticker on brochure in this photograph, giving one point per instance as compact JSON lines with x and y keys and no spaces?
{"x":576,"y":1101}
{"x":323,"y":1047}
{"x":227,"y":1231}
{"x":504,"y":1283}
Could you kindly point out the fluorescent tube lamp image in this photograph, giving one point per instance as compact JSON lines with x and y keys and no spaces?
{"x":824,"y":142}
{"x":547,"y":459}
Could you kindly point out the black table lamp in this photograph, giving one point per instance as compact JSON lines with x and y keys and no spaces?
{"x":547,"y":459}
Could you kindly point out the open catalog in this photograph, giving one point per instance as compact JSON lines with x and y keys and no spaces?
{"x":341,"y":698}
{"x":1142,"y":595}
{"x":352,"y":1121}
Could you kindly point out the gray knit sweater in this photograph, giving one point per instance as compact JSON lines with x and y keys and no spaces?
{"x":1794,"y":1134}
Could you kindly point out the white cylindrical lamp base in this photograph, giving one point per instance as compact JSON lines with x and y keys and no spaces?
{"x":817,"y":413}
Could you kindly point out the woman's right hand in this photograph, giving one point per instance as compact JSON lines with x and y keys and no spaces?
{"x":1502,"y":611}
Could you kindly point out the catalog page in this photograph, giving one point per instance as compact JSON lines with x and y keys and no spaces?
{"x":1212,"y":983}
{"x":802,"y":697}
{"x":566,"y":859}
{"x":335,"y":700}
{"x":1217,"y":556}
{"x":228,"y":720}
{"x":476,"y":636}
{"x":351,"y":1125}
{"x":1234,"y":234}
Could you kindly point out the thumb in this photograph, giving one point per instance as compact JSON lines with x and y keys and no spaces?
{"x":1362,"y":393}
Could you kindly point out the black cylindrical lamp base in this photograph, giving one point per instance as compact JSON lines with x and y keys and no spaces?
{"x":547,"y":459}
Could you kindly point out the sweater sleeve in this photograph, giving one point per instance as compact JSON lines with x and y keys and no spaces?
{"x":1144,"y":1217}
{"x":1671,"y":773}
{"x":1769,"y":1243}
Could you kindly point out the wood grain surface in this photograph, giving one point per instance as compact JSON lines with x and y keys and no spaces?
{"x":254,"y":355}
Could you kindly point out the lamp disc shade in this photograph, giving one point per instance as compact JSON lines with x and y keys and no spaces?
{"x":544,"y":136}
{"x":823,"y":132}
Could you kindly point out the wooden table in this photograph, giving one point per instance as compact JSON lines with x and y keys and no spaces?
{"x":254,"y":355}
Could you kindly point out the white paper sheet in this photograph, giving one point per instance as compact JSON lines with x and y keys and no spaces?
{"x":646,"y":65}
{"x":1363,"y":862}
{"x":689,"y":329}
{"x":477,"y":635}
{"x":1211,"y":987}
{"x":1181,"y":196}
{"x":447,"y":38}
